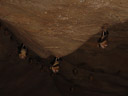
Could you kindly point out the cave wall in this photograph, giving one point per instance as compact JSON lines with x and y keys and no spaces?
{"x":59,"y":27}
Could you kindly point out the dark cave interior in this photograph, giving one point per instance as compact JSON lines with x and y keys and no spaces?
{"x":89,"y":71}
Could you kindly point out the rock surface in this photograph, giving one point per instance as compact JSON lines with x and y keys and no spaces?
{"x":89,"y":71}
{"x":59,"y":27}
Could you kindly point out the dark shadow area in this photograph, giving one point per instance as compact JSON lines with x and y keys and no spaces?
{"x":89,"y":71}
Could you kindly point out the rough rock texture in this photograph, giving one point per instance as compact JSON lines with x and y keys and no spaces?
{"x":59,"y":27}
{"x":99,"y":72}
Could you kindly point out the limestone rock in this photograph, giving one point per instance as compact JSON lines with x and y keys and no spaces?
{"x":59,"y":27}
